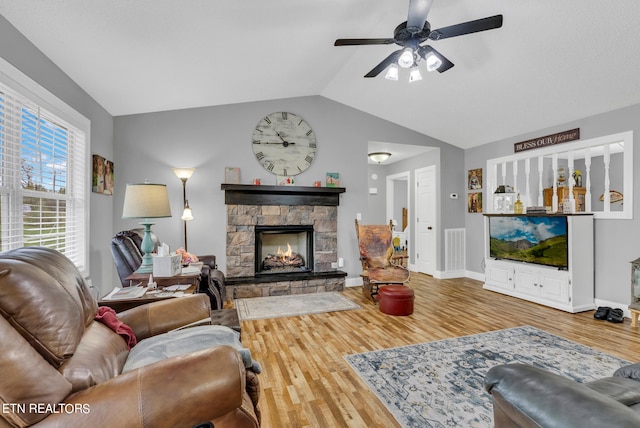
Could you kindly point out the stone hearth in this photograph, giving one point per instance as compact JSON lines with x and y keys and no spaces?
{"x":249,"y":206}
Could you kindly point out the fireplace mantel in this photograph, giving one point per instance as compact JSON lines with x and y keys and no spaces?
{"x":248,"y":194}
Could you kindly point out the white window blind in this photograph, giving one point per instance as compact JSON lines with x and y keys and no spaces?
{"x":43,"y":179}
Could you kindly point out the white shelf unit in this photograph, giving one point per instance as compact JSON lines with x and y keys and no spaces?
{"x":570,"y":290}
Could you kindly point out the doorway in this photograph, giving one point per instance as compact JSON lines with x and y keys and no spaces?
{"x":398,"y":203}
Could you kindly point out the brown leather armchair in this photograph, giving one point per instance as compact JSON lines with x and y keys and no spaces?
{"x":127,"y":256}
{"x":59,"y":367}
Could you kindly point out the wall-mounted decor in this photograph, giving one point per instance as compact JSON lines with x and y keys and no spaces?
{"x":548,"y":140}
{"x":103,"y":176}
{"x":474,"y":202}
{"x":333,"y":179}
{"x":474,"y":179}
{"x":284,"y":143}
{"x":232,"y":175}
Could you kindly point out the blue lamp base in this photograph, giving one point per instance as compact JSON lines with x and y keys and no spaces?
{"x":147,"y":249}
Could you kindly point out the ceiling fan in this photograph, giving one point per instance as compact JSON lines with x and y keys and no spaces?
{"x":411,"y":35}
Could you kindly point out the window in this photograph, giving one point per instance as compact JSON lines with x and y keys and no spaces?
{"x":43,"y":170}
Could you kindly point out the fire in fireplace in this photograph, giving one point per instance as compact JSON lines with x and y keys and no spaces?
{"x":284,"y":249}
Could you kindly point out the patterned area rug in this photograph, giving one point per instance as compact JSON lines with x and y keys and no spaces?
{"x":440,"y":384}
{"x":296,"y":304}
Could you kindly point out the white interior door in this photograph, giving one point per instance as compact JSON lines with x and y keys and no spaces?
{"x":426,"y":220}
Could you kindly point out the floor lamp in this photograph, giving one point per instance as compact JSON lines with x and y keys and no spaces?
{"x":184,"y":174}
{"x":146,"y":201}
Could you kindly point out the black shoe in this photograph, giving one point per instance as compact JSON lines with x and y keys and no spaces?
{"x":602,"y":313}
{"x":615,"y":315}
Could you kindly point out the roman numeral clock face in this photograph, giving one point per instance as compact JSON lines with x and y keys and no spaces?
{"x":284,"y":143}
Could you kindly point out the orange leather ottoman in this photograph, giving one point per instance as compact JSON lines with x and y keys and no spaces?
{"x":396,"y":300}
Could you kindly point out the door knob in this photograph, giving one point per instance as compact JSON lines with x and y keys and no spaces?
{"x":429,"y":228}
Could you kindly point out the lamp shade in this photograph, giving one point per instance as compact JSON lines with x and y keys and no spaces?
{"x":184,"y":172}
{"x":146,"y":200}
{"x":379,"y":157}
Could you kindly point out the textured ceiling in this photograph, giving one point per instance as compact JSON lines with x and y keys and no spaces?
{"x":551,"y":62}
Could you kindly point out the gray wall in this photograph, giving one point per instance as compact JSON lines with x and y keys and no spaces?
{"x":616,"y":241}
{"x":18,"y":51}
{"x":147,"y":146}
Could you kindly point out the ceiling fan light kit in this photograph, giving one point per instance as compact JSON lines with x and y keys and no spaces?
{"x":392,"y":72}
{"x":406,"y":59}
{"x":415,"y":75}
{"x":411,"y":36}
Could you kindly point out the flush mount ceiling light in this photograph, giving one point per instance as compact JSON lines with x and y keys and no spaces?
{"x":379,"y":157}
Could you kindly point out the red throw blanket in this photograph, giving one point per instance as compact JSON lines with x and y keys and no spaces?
{"x":107,"y":316}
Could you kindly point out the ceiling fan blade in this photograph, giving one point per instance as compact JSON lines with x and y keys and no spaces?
{"x":469,"y":27}
{"x":354,"y":42}
{"x":446,"y":64}
{"x":418,"y":11}
{"x":384,"y":64}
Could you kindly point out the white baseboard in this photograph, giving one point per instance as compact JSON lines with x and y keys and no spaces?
{"x":478,"y":276}
{"x":353,"y":282}
{"x":450,"y":274}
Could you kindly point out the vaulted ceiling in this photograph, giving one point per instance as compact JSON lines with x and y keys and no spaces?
{"x":551,"y":62}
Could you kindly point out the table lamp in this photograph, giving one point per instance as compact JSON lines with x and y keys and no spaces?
{"x":146,"y":201}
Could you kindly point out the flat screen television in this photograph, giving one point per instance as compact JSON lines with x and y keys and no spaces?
{"x":533,"y":239}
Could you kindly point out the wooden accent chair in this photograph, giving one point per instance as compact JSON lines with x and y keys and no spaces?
{"x":376,"y":249}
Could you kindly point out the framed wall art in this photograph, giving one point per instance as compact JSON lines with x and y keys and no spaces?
{"x":474,"y":202}
{"x":102,"y":180}
{"x":474,"y":179}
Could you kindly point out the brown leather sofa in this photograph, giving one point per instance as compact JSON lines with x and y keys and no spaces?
{"x":61,"y":368}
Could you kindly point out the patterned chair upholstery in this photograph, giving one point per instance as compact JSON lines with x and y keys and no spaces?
{"x":376,"y":249}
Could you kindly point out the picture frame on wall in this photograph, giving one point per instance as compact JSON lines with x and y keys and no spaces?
{"x":474,"y":202}
{"x":474,"y":179}
{"x":103,"y":176}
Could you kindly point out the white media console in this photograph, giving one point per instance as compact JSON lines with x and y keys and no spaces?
{"x":570,"y":289}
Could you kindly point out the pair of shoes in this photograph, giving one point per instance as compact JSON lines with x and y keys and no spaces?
{"x":602,"y":313}
{"x":615,"y":315}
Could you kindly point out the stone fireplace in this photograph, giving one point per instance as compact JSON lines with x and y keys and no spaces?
{"x":262,"y":218}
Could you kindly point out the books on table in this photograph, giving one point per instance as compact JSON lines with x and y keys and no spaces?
{"x":125,"y":293}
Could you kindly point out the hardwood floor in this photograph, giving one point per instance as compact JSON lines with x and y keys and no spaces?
{"x":307,"y":383}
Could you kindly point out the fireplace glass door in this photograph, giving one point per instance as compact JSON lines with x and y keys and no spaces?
{"x":284,"y":249}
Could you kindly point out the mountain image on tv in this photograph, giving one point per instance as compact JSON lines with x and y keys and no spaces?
{"x":536,"y":239}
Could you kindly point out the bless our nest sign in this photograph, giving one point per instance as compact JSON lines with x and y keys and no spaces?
{"x":548,"y":140}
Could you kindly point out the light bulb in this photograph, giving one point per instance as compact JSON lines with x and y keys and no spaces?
{"x":392,"y":73}
{"x":406,"y":58}
{"x":433,"y":62}
{"x":415,"y":75}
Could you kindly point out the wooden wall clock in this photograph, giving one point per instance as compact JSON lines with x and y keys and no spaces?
{"x":284,"y":143}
